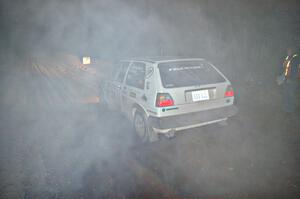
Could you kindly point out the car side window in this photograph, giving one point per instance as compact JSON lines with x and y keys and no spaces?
{"x":136,"y":75}
{"x":122,"y":71}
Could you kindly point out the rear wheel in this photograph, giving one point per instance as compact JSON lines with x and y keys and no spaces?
{"x":142,"y":128}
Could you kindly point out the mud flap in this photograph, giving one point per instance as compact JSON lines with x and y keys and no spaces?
{"x":153,"y":136}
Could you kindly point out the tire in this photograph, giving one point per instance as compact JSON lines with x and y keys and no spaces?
{"x":142,"y":129}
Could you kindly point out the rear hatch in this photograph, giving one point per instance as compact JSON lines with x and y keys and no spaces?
{"x":193,"y":83}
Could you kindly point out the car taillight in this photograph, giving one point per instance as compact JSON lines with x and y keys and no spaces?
{"x":164,"y":99}
{"x":229,"y":92}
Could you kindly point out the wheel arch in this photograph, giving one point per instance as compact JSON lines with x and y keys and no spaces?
{"x":136,"y":107}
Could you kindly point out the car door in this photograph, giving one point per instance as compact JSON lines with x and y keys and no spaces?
{"x":117,"y":86}
{"x":134,"y":87}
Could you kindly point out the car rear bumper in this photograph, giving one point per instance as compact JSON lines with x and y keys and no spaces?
{"x":191,"y":120}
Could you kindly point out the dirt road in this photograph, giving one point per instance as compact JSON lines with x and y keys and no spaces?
{"x":54,"y":145}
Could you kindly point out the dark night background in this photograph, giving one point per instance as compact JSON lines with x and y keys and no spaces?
{"x":51,"y":149}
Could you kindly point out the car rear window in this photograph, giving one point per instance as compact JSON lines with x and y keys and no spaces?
{"x":188,"y":73}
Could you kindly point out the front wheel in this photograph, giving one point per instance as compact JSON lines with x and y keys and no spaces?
{"x":142,"y":128}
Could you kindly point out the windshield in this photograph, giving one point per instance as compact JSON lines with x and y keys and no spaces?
{"x":188,"y":73}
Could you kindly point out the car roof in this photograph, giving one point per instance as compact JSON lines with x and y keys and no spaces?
{"x":164,"y":59}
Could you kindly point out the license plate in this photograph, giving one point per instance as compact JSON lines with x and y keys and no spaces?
{"x":200,"y":95}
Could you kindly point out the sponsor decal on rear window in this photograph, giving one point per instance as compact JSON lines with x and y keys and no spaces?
{"x":185,"y":68}
{"x":188,"y":73}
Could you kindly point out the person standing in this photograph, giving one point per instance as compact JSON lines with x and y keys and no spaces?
{"x":289,"y":80}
